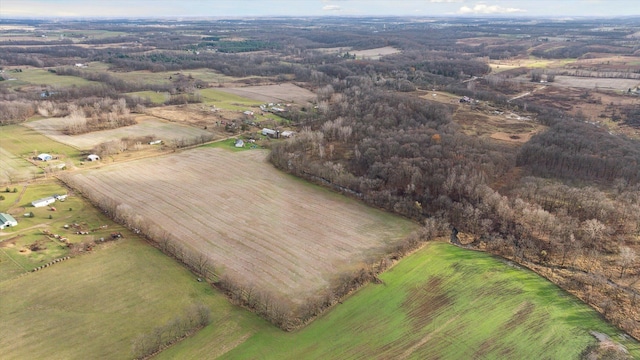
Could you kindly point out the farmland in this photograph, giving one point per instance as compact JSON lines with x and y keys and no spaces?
{"x":94,"y":306}
{"x":256,"y":224}
{"x":146,"y":126}
{"x":595,"y":83}
{"x":26,"y":246}
{"x":375,"y":54}
{"x":13,"y":168}
{"x":43,"y":77}
{"x":273,"y":93}
{"x":439,"y":303}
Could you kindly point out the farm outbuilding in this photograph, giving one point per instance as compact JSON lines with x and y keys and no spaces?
{"x":287,"y":133}
{"x":268,"y":132}
{"x":7,"y":220}
{"x":93,"y":157}
{"x":44,"y":157}
{"x":239,"y":143}
{"x":43,"y":202}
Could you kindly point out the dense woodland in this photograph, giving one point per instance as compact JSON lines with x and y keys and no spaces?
{"x":566,"y":203}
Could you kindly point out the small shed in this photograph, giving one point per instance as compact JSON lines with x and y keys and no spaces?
{"x":239,"y":143}
{"x":155,"y":142}
{"x":93,"y":157}
{"x":7,"y":220}
{"x":43,"y":202}
{"x":287,"y":133}
{"x":268,"y":132}
{"x":44,"y":157}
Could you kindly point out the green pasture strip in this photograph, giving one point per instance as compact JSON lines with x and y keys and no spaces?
{"x":23,"y":141}
{"x":444,"y":303}
{"x":155,"y":97}
{"x":226,"y":100}
{"x":93,"y":306}
{"x":46,"y":78}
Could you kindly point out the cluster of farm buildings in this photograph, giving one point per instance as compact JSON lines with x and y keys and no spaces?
{"x":6,"y":220}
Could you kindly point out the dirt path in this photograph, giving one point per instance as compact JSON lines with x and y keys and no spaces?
{"x":527,"y":93}
{"x":24,"y":189}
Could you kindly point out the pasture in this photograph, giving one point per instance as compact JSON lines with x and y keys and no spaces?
{"x":257,"y":225}
{"x":146,"y":126}
{"x":94,"y":306}
{"x":442,"y":302}
{"x":273,"y":93}
{"x":25,"y":142}
{"x":162,"y":77}
{"x":45,"y":78}
{"x":14,"y":168}
{"x":153,"y":96}
{"x":26,"y":246}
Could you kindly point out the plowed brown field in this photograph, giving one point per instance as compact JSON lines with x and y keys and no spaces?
{"x":257,"y":224}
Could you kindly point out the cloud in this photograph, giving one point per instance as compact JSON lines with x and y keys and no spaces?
{"x":488,"y":9}
{"x":331,"y":8}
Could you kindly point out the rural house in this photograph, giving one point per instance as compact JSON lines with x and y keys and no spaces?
{"x":7,"y":220}
{"x":268,"y":132}
{"x":43,"y":202}
{"x":44,"y":157}
{"x":93,"y":157}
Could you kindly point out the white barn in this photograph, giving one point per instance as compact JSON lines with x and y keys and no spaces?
{"x":44,"y":157}
{"x":7,"y":220}
{"x":43,"y":202}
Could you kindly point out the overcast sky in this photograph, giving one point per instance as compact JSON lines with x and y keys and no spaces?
{"x":225,"y":8}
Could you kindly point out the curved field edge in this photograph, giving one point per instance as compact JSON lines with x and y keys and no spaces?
{"x":93,"y":306}
{"x":441,"y":302}
{"x":258,"y":225}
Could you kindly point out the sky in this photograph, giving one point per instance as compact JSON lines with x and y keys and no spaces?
{"x":240,"y":8}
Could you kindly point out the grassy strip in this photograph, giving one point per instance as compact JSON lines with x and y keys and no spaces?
{"x":23,"y":141}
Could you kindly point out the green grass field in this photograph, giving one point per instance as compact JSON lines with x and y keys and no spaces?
{"x":14,"y":168}
{"x":155,"y":97}
{"x":44,"y":77}
{"x":22,"y":141}
{"x":440,"y":303}
{"x":227,"y":101}
{"x":30,"y":229}
{"x":93,"y":306}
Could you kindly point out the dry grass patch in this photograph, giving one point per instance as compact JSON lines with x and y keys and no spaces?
{"x":146,"y":126}
{"x":595,"y":83}
{"x":263,"y":228}
{"x":375,"y":54}
{"x":273,"y":93}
